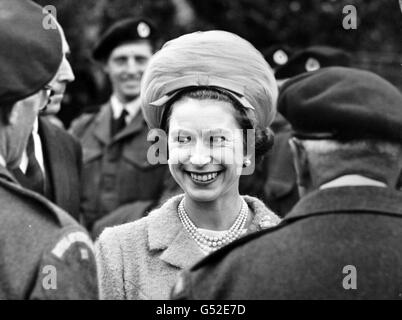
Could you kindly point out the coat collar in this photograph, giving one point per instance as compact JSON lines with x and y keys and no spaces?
{"x":55,"y":156}
{"x":348,"y":199}
{"x":165,"y":231}
{"x":102,"y":129}
{"x":6,"y":175}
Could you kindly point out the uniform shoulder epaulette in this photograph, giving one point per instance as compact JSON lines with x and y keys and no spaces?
{"x":61,"y":218}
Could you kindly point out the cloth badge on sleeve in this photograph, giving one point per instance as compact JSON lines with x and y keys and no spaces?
{"x":72,"y":238}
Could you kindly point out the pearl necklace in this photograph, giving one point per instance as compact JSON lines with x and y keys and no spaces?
{"x":214,"y":243}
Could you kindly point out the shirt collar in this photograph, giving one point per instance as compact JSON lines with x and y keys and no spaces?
{"x":352,"y":180}
{"x":2,"y":161}
{"x":131,"y":107}
{"x":35,"y":126}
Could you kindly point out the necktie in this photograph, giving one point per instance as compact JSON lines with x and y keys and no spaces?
{"x":119,"y":123}
{"x":33,"y":178}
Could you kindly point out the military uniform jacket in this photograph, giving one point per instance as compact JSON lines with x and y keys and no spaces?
{"x":116,"y":170}
{"x":44,"y":253}
{"x":336,"y":243}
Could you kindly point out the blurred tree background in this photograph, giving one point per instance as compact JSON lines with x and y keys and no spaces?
{"x":375,"y":44}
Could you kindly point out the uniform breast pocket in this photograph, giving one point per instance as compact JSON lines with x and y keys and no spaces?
{"x":90,"y":154}
{"x":140,"y":180}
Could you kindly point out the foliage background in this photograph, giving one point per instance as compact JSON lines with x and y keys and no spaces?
{"x":375,"y":44}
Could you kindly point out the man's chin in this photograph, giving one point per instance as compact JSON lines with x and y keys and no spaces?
{"x":131,"y":94}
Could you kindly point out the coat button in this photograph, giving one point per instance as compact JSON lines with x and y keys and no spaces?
{"x":112,"y":153}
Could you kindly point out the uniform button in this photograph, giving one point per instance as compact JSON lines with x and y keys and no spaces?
{"x":112,"y":153}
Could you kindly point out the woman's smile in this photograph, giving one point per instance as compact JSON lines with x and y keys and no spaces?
{"x":204,"y":178}
{"x":208,"y":153}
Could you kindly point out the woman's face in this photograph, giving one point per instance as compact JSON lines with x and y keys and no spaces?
{"x":205,"y":148}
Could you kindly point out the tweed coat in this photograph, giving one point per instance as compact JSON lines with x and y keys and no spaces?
{"x":142,"y":259}
{"x":331,"y":237}
{"x":115,"y":170}
{"x":40,"y":242}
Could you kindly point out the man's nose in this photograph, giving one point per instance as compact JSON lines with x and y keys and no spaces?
{"x":132,"y":66}
{"x":66,"y":72}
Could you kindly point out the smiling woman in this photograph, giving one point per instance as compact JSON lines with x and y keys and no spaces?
{"x":207,"y":90}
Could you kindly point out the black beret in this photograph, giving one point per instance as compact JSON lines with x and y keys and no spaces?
{"x":30,"y":53}
{"x":311,"y":59}
{"x":277,"y":55}
{"x":342,"y":104}
{"x":120,"y":32}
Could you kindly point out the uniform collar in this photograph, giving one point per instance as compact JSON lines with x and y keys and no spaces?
{"x":352,"y":180}
{"x":132,"y":108}
{"x":102,"y":125}
{"x":5,"y":174}
{"x":35,"y":126}
{"x":348,"y":200}
{"x":2,"y":161}
{"x":37,"y":147}
{"x":165,"y":231}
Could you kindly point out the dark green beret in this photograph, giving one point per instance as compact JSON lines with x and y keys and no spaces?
{"x":343,"y":104}
{"x":120,"y":32}
{"x":30,"y":53}
{"x":311,"y":59}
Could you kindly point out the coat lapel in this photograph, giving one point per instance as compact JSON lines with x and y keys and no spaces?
{"x":136,"y":125}
{"x":56,"y":161}
{"x":102,"y":129}
{"x":7,"y":175}
{"x":182,"y":252}
{"x":165,"y":232}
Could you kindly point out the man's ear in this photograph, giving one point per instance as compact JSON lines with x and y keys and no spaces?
{"x":13,"y":115}
{"x":105,"y":67}
{"x":301,"y":164}
{"x":399,"y":182}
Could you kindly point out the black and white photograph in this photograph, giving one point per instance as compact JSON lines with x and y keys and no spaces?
{"x":200,"y":152}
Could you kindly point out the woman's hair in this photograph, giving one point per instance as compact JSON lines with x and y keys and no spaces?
{"x":262,"y":138}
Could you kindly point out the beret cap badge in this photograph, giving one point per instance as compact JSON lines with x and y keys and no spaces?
{"x":143,"y":29}
{"x":312,"y":64}
{"x":280,"y":57}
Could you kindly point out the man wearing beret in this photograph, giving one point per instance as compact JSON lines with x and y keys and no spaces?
{"x":343,"y":239}
{"x":277,"y":55}
{"x":45,"y":253}
{"x":52,"y":161}
{"x":116,"y":171}
{"x":310,"y":59}
{"x":280,"y":189}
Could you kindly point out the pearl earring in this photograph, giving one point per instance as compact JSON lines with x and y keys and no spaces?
{"x":246,"y":163}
